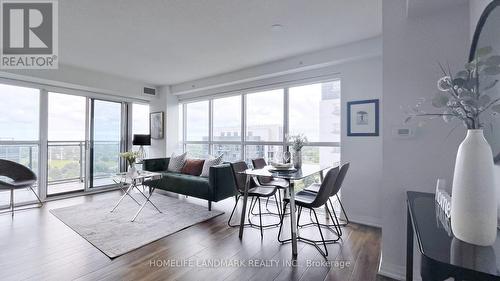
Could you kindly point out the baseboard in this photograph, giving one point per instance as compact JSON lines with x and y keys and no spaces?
{"x":366,"y":220}
{"x":397,"y":272}
{"x":393,"y":271}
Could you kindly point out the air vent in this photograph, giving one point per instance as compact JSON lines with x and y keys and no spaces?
{"x":149,"y":91}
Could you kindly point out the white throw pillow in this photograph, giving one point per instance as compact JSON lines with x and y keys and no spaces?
{"x":212,"y":161}
{"x":176,"y":162}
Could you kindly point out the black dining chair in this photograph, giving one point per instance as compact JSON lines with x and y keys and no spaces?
{"x":260,"y":163}
{"x":329,"y":207}
{"x":281,"y":184}
{"x":255,"y":191}
{"x":17,"y":177}
{"x":311,"y":201}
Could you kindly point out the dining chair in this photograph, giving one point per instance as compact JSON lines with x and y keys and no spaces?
{"x":255,"y":191}
{"x":329,"y":207}
{"x":281,"y":184}
{"x":312,"y":201}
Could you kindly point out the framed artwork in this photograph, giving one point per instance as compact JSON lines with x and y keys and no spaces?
{"x":156,"y":125}
{"x":363,"y":118}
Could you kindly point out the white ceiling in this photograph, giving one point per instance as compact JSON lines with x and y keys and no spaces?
{"x":168,"y":42}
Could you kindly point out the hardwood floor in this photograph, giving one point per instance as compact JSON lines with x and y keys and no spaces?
{"x":35,"y":245}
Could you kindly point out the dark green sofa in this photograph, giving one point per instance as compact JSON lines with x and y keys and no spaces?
{"x":218,"y":186}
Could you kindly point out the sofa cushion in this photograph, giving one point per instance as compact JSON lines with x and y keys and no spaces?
{"x":176,"y":162}
{"x":214,"y":161}
{"x":155,"y":164}
{"x":193,"y":167}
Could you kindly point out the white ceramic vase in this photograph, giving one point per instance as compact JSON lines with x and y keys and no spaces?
{"x":473,"y":200}
{"x":132,"y":171}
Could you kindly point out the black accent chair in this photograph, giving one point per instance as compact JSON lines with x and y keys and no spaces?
{"x":329,"y":206}
{"x":255,"y":191}
{"x":20,"y":177}
{"x":281,"y":184}
{"x":311,"y":201}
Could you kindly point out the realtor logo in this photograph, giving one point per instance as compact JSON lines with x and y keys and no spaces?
{"x":29,"y":34}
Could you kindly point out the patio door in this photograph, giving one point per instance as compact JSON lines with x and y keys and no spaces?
{"x":107,"y":140}
{"x":66,"y":145}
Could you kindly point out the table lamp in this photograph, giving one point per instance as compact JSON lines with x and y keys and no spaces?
{"x":141,"y":140}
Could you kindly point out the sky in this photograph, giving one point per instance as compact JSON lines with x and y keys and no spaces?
{"x":19,"y":113}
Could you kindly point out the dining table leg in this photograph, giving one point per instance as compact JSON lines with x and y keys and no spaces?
{"x":245,"y":199}
{"x":293,"y":219}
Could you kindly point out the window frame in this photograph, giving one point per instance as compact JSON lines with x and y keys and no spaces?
{"x":244,"y":93}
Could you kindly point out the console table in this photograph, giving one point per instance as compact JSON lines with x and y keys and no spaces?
{"x":443,"y":255}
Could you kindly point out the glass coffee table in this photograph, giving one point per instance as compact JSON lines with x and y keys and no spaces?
{"x":132,"y":182}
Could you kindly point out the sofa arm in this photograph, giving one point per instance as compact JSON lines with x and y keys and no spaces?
{"x":156,"y":164}
{"x":221,"y":182}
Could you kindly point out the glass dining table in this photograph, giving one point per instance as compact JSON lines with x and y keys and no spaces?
{"x":290,"y":177}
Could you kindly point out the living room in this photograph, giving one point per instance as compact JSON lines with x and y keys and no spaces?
{"x":255,"y":140}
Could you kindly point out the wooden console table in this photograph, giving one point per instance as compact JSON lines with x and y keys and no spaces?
{"x":443,"y":255}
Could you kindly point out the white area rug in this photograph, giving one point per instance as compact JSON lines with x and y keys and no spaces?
{"x":114,"y":234}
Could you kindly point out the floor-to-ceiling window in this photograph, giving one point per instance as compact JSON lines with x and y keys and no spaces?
{"x":106,"y":141}
{"x":226,"y":129}
{"x":314,"y":110}
{"x":197,"y":129}
{"x":255,"y":124}
{"x":264,"y":128}
{"x":19,"y":132}
{"x":66,"y":143}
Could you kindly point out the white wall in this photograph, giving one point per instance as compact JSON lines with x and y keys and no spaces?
{"x":159,"y":103}
{"x":172,"y":121}
{"x":360,"y":70}
{"x":412,"y":49}
{"x":289,"y":68}
{"x":361,"y":191}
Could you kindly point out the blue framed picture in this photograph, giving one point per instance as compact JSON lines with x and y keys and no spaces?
{"x":363,"y":118}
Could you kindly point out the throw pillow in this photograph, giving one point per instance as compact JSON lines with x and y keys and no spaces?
{"x":193,"y":167}
{"x":209,"y":163}
{"x":176,"y":162}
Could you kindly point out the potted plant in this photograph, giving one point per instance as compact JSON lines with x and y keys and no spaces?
{"x":464,"y":97}
{"x":130,"y":157}
{"x":297,"y":142}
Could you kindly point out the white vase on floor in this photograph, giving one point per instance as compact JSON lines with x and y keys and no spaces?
{"x":473,"y":200}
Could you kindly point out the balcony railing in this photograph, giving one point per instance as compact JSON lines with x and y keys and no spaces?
{"x":66,"y":161}
{"x":66,"y":170}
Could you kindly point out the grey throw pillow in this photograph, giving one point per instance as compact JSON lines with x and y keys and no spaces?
{"x":209,"y":163}
{"x":176,"y":162}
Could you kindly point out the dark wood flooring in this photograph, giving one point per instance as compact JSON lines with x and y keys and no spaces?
{"x":35,"y":245}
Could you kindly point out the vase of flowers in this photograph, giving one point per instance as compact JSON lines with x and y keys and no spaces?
{"x":130,"y":157}
{"x":462,"y":97}
{"x":297,"y":142}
